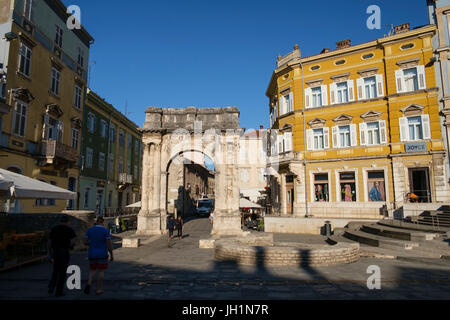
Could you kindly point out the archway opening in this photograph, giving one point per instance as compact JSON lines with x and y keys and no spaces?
{"x":190,"y":184}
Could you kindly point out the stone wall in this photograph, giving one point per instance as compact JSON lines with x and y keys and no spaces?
{"x":247,"y":251}
{"x":80,"y":221}
{"x":305,"y":225}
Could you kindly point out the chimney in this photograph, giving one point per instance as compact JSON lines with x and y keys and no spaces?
{"x":401,"y":28}
{"x":343,"y":44}
{"x":261,"y":127}
{"x":325,"y":50}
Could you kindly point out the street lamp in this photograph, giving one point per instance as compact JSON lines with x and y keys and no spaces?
{"x":304,"y":133}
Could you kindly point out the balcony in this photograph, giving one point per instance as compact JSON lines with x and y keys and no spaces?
{"x":125,"y":178}
{"x":51,"y":150}
{"x":286,"y":157}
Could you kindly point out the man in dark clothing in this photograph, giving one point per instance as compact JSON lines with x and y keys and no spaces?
{"x":179,"y":227}
{"x":61,"y":241}
{"x":171,"y":226}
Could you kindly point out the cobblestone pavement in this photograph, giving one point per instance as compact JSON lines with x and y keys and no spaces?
{"x":184,"y":271}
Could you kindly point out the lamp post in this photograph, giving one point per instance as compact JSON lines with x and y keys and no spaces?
{"x":304,"y":135}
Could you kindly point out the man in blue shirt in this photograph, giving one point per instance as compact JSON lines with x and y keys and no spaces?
{"x":99,"y":241}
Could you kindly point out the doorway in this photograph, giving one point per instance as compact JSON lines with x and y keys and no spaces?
{"x":289,"y":194}
{"x":419,"y":184}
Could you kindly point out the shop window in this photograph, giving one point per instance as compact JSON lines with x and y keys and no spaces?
{"x":348,"y":186}
{"x":321,"y":187}
{"x":375,"y":186}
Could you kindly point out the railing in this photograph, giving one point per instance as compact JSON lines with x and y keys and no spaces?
{"x":125,"y":178}
{"x":118,"y":212}
{"x":54,"y":149}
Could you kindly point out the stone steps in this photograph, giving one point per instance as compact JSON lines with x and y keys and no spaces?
{"x":378,"y":241}
{"x":396,"y":233}
{"x":412,"y":226}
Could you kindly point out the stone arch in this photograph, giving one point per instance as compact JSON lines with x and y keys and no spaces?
{"x":168,"y":133}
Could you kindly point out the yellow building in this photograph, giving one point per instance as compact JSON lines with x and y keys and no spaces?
{"x":44,"y":71}
{"x":370,"y":128}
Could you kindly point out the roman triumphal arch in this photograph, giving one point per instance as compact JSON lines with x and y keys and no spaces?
{"x":167,"y":133}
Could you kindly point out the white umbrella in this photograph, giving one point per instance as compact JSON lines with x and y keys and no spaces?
{"x":244,"y":203}
{"x":18,"y":186}
{"x":134,"y":205}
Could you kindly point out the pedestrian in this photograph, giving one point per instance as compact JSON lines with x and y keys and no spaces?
{"x":179,"y":226}
{"x":171,"y":226}
{"x":211,"y":217}
{"x":60,"y":242}
{"x":98,"y":238}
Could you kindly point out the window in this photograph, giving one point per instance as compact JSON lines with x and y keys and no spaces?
{"x":110,"y":199}
{"x":103,"y":128}
{"x":77,"y":97}
{"x":285,"y":142}
{"x":287,"y":104}
{"x":80,"y":57}
{"x":75,"y":138}
{"x":101,"y":161}
{"x":128,"y":167}
{"x":130,"y":143}
{"x":314,"y":68}
{"x":55,"y":80}
{"x":342,"y":92}
{"x":89,"y":157}
{"x":415,"y":128}
{"x":244,"y":176}
{"x":317,"y":139}
{"x":410,"y":79}
{"x":52,"y":202}
{"x":348,"y":186}
{"x":321,"y":187}
{"x":339,"y":62}
{"x":368,"y":56}
{"x":28,"y":11}
{"x":316,"y":97}
{"x":121,"y":138}
{"x":91,"y":122}
{"x":86,"y":197}
{"x":136,"y":146}
{"x":54,"y":129}
{"x":373,"y":133}
{"x":111,"y":164}
{"x":120,"y":165}
{"x":59,"y":37}
{"x":112,"y":133}
{"x":344,"y":136}
{"x":20,"y":118}
{"x":370,"y":87}
{"x":375,"y":186}
{"x":25,"y":60}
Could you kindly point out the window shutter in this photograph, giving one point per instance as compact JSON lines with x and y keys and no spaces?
{"x":380,"y":90}
{"x":360,"y":88}
{"x":363,"y":133}
{"x":426,"y":126}
{"x":291,"y":102}
{"x":403,"y":123}
{"x":421,"y":77}
{"x":308,"y":93}
{"x":333,"y":89}
{"x":326,"y":138}
{"x":353,"y":136}
{"x":383,"y":133}
{"x":351,"y":90}
{"x":309,"y":139}
{"x":324,"y":95}
{"x":288,"y":140}
{"x":399,"y":81}
{"x":334,"y":133}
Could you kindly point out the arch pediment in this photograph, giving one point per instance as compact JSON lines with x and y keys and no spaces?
{"x":22,"y":94}
{"x":343,"y":119}
{"x":412,"y":109}
{"x":54,"y":110}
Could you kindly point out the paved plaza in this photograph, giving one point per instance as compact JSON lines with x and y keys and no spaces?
{"x":154,"y":271}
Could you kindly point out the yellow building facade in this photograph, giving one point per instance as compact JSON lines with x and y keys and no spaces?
{"x":367,"y":118}
{"x":45,"y":72}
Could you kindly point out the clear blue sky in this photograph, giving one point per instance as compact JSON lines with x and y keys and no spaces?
{"x":217,"y":53}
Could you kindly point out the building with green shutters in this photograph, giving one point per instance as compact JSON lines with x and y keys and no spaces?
{"x":111,"y":153}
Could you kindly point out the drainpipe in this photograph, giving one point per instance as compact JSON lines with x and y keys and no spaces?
{"x":304,"y":141}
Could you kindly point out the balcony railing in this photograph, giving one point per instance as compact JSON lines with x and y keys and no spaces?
{"x":125,"y":178}
{"x":52,"y":149}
